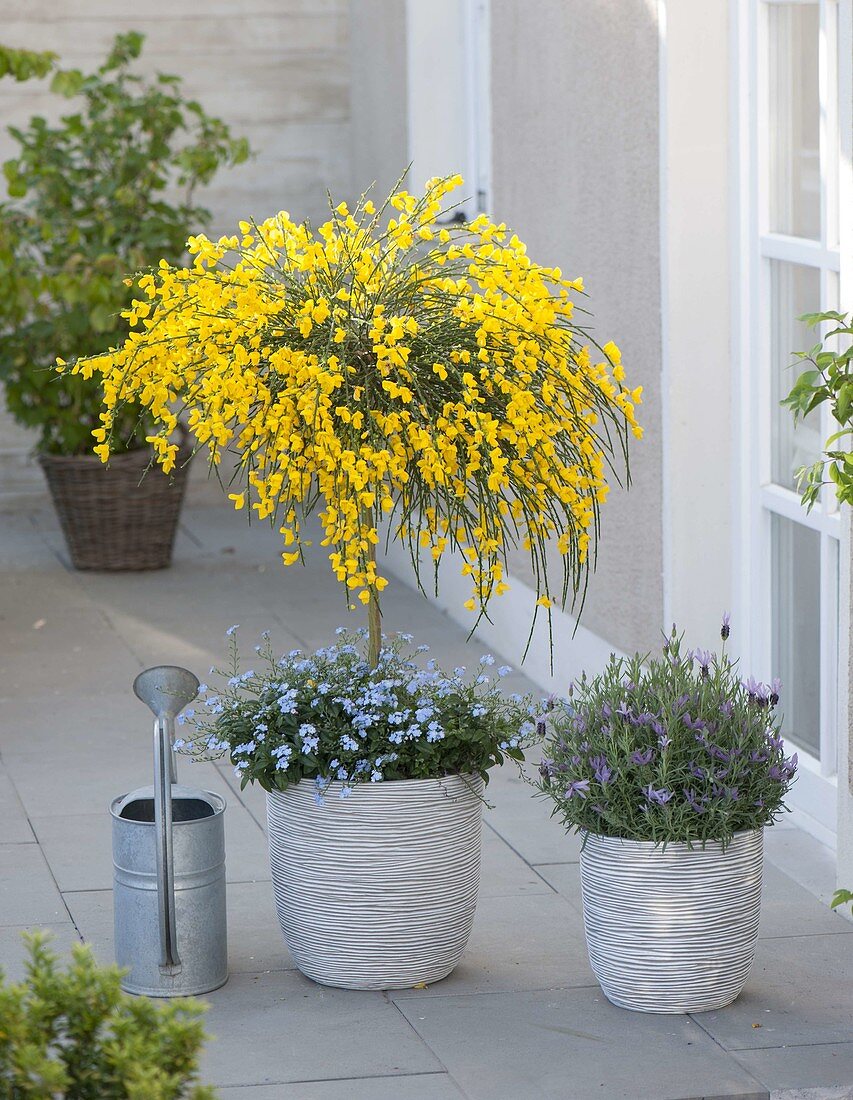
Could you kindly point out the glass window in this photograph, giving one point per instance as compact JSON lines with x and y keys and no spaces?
{"x":794,"y":290}
{"x":794,"y":122}
{"x":795,"y":613}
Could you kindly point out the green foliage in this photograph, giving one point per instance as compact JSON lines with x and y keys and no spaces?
{"x":107,"y":191}
{"x":676,"y":748}
{"x":828,"y":379}
{"x":72,"y":1034}
{"x":842,"y":897}
{"x":332,"y":716}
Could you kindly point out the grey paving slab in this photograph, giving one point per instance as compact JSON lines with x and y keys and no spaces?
{"x":819,"y":1065}
{"x":280,"y":1027}
{"x":13,"y":951}
{"x":420,"y":1086}
{"x":14,"y":826}
{"x":788,"y":909}
{"x":28,"y":893}
{"x":800,"y":991}
{"x":77,"y":781}
{"x":78,"y":848}
{"x":570,"y":1043}
{"x":70,"y":652}
{"x":524,"y":822}
{"x":522,"y":942}
{"x":504,"y":873}
{"x":802,"y":858}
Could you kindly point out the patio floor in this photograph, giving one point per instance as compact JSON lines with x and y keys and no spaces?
{"x":522,"y":1016}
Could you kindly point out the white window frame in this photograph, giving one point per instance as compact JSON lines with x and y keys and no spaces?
{"x":754,"y":247}
{"x":469,"y":21}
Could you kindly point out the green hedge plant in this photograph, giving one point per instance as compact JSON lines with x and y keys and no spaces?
{"x":72,"y":1034}
{"x":108,"y":190}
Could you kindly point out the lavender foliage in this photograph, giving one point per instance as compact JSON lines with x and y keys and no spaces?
{"x":675,"y":748}
{"x":330,"y":717}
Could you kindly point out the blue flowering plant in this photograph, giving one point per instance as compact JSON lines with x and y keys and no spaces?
{"x":331,"y":717}
{"x":673,"y":748}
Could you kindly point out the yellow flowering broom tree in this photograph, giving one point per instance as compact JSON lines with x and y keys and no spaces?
{"x":387,"y":372}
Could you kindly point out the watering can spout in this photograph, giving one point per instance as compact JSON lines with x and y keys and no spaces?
{"x":166,"y":690}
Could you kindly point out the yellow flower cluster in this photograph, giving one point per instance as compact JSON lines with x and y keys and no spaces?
{"x":384,"y":365}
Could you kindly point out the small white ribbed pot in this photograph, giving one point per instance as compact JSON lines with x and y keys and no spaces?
{"x":671,"y":929}
{"x":377,"y":890}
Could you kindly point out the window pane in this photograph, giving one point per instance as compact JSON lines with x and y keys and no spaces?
{"x":796,"y":629}
{"x":794,"y":119}
{"x":794,"y":290}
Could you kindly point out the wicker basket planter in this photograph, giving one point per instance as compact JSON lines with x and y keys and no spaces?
{"x":114,"y":518}
{"x":377,"y":891}
{"x":671,"y":929}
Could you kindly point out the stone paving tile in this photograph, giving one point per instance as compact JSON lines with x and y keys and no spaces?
{"x":802,"y":858}
{"x":524,"y":822}
{"x":819,"y":1065}
{"x":570,"y":1043}
{"x":524,"y":942}
{"x":14,"y":826}
{"x":421,"y":1086}
{"x":505,"y":874}
{"x":800,"y":991}
{"x":790,"y":910}
{"x":281,"y":1027}
{"x":28,"y":893}
{"x":13,"y":951}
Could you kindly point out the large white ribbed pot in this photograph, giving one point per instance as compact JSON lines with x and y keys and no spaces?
{"x":377,"y":890}
{"x":671,"y":929}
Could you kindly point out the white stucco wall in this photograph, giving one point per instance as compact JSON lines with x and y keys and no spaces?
{"x":575,"y":128}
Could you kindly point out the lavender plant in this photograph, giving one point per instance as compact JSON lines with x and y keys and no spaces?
{"x":333,"y":717}
{"x":675,"y":748}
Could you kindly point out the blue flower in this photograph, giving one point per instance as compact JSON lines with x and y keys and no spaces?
{"x":232,"y":630}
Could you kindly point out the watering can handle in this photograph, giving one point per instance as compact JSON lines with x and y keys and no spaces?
{"x":163,"y":775}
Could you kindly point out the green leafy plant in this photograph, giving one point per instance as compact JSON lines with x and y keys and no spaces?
{"x":842,"y":897}
{"x":333,"y":717}
{"x":72,"y":1034}
{"x":676,"y":748}
{"x":107,"y":191}
{"x":829,"y":379}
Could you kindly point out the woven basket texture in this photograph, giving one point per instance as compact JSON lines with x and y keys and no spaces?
{"x":121,"y":517}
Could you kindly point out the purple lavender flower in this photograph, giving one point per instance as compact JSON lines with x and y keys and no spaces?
{"x":664,"y":742}
{"x":693,"y":723}
{"x":775,"y":691}
{"x":693,"y":802}
{"x":579,"y":787}
{"x":641,"y":757}
{"x":605,"y":710}
{"x":601,"y":769}
{"x":660,"y":797}
{"x":726,"y":708}
{"x":725,"y":628}
{"x":624,"y":711}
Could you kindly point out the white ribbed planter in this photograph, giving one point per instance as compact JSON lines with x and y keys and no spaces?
{"x":674,"y":929}
{"x":378,"y":890}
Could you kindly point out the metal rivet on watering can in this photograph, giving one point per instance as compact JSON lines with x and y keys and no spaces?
{"x":169,"y":864}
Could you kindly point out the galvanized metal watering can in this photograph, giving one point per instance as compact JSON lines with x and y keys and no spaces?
{"x":169,"y":864}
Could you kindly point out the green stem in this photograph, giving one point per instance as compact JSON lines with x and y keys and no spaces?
{"x":374,"y":614}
